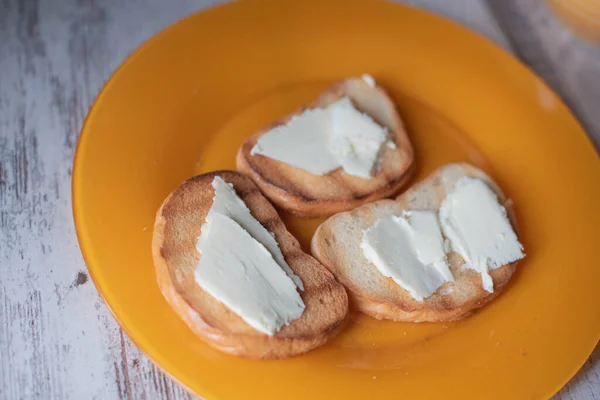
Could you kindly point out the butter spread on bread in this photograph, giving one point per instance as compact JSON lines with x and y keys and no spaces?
{"x":310,"y":195}
{"x":410,"y":250}
{"x":478,"y":228}
{"x":241,"y":265}
{"x":178,"y":226}
{"x":337,"y":245}
{"x":320,"y":140}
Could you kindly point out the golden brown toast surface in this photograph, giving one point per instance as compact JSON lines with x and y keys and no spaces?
{"x":337,"y":245}
{"x":176,"y":232}
{"x":308,"y":195}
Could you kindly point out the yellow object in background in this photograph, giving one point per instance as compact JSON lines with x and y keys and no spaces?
{"x":581,"y":16}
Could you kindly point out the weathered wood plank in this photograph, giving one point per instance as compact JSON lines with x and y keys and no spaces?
{"x":570,"y":65}
{"x":473,"y":14}
{"x":57,"y":339}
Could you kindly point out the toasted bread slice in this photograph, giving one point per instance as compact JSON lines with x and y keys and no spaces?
{"x":308,"y":195}
{"x":176,"y":233}
{"x":336,"y":244}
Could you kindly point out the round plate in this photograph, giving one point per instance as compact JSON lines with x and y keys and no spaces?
{"x":184,"y":102}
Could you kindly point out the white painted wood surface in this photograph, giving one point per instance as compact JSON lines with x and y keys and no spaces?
{"x":57,"y":338}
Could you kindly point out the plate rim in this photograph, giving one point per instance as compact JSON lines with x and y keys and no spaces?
{"x":165,"y":31}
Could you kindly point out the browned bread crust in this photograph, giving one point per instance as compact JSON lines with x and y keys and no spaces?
{"x":176,"y":232}
{"x":308,"y":195}
{"x":336,"y":244}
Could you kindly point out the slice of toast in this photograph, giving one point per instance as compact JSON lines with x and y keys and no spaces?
{"x":176,"y":233}
{"x":308,"y":195}
{"x":336,"y":244}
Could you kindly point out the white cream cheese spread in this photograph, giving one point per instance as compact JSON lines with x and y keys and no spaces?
{"x":356,"y":139}
{"x":368,"y":79}
{"x":242,"y":266}
{"x":478,"y":228}
{"x":303,"y":142}
{"x":320,"y":140}
{"x":410,"y":250}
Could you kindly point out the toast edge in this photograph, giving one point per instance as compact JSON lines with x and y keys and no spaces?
{"x":304,"y":207}
{"x":260,"y":346}
{"x":386,"y":310}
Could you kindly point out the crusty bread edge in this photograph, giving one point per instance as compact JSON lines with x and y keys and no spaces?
{"x":304,"y":207}
{"x":390,"y":311}
{"x":253,"y":347}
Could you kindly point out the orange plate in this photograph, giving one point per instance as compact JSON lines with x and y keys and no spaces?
{"x":185,"y":101}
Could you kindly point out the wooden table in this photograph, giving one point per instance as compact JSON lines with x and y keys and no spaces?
{"x":57,"y":338}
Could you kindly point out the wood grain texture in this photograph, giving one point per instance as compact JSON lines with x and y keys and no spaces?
{"x":568,"y":64}
{"x":57,"y":338}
